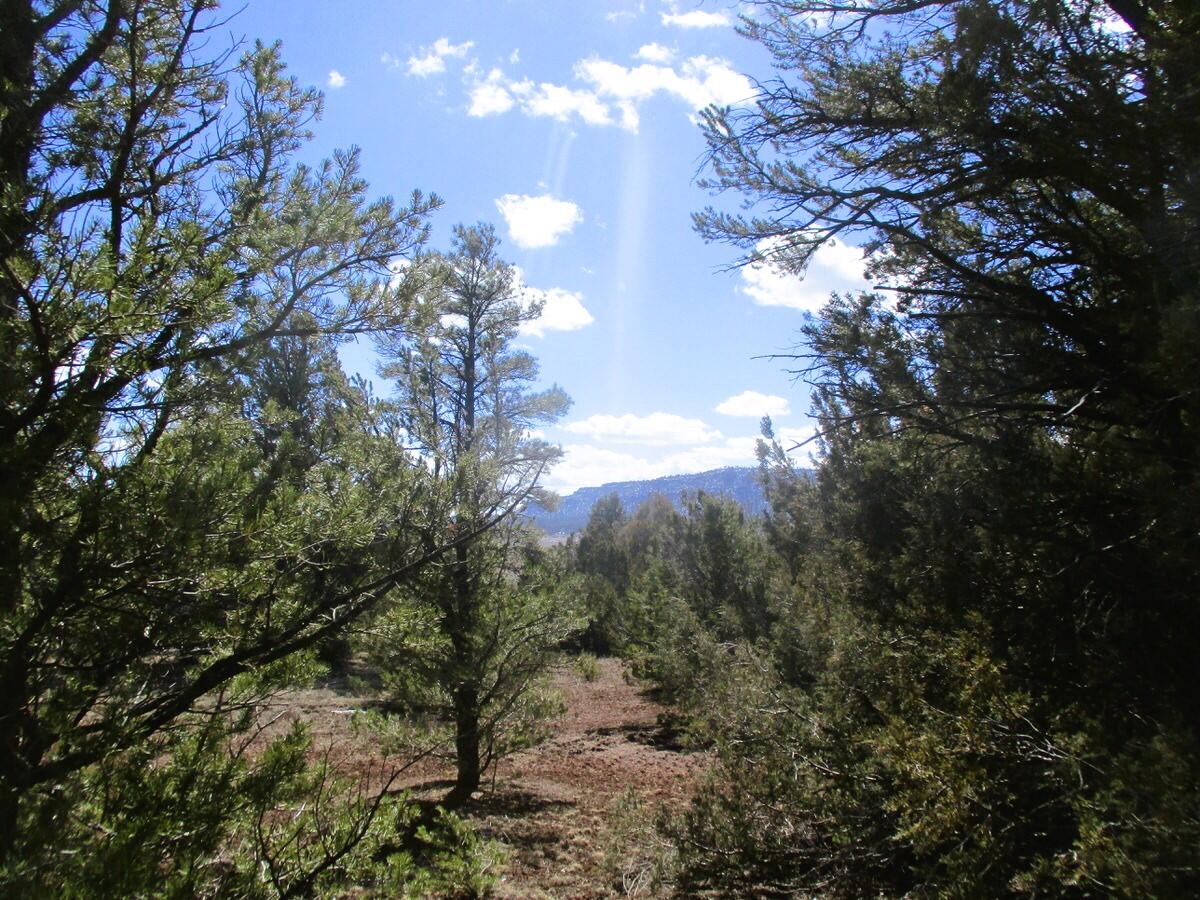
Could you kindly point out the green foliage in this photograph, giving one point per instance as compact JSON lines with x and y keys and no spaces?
{"x":675,"y":592}
{"x":982,"y":680}
{"x":727,"y":571}
{"x":449,"y":860}
{"x":520,"y":622}
{"x":603,"y":561}
{"x":638,"y":861}
{"x":197,"y":814}
{"x":469,"y":640}
{"x":194,"y":494}
{"x":586,"y":666}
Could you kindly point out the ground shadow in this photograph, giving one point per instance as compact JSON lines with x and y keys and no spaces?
{"x":664,"y":735}
{"x":529,"y":825}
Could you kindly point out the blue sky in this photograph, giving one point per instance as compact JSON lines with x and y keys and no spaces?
{"x":571,"y":127}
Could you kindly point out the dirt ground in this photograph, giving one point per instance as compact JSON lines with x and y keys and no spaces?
{"x":556,"y":808}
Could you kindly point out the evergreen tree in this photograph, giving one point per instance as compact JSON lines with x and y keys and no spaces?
{"x":998,"y":690}
{"x":169,"y":546}
{"x":601,"y":558}
{"x":465,"y":403}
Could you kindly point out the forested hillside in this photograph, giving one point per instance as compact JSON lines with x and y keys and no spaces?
{"x":571,"y":513}
{"x":270,"y":628}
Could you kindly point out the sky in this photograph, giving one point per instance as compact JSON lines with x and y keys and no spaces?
{"x":571,"y":126}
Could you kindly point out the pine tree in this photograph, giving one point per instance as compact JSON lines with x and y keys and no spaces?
{"x":464,"y":401}
{"x":157,"y":570}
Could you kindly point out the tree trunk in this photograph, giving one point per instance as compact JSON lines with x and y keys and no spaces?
{"x":466,"y":745}
{"x":466,"y":690}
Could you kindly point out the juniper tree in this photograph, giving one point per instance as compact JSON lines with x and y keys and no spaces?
{"x":1002,"y":553}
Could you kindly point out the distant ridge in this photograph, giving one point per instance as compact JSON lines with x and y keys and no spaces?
{"x":736,"y":482}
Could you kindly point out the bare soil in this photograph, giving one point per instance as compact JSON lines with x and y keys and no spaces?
{"x":552,"y":807}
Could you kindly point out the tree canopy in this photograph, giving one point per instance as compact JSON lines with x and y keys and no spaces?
{"x":165,"y":264}
{"x":466,"y":404}
{"x":996,"y":579}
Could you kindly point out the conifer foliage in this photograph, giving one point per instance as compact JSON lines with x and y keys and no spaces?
{"x":472,"y":638}
{"x":988,"y":684}
{"x":193,"y":494}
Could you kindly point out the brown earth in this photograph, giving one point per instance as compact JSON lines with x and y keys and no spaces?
{"x":561,"y":810}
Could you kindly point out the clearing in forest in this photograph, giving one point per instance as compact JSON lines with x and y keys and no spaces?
{"x":553,"y":807}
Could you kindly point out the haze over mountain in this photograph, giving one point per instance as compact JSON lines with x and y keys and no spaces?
{"x":739,"y":483}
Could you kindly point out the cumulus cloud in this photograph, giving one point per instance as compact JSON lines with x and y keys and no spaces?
{"x":537,"y":221}
{"x":701,"y":80}
{"x":791,"y":437}
{"x":562,"y":310}
{"x":336,"y":79}
{"x":696,"y":18}
{"x":610,"y":92}
{"x":655,"y":53}
{"x":752,"y":404}
{"x":584,"y":465}
{"x":558,"y":102}
{"x":794,"y":442}
{"x":432,"y":59}
{"x":836,"y":266}
{"x":656,"y":429}
{"x":739,"y":451}
{"x":489,"y":99}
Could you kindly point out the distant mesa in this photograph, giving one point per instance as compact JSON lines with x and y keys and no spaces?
{"x":739,"y":483}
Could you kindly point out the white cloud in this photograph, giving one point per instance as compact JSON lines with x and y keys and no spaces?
{"x":655,"y":53}
{"x":489,"y":99}
{"x":790,"y":437}
{"x":722,"y":84}
{"x":514,"y":57}
{"x":392,"y":62}
{"x":700,"y":81}
{"x":656,"y":429}
{"x":432,"y":59}
{"x":558,"y":102}
{"x":696,"y":18}
{"x":584,"y":465}
{"x":538,"y":221}
{"x":630,"y":120}
{"x":615,"y":80}
{"x":793,"y":442}
{"x":754,"y":405}
{"x":612,"y":91}
{"x":336,"y":79}
{"x":731,"y":452}
{"x":836,"y":266}
{"x":620,"y":14}
{"x":562,"y":310}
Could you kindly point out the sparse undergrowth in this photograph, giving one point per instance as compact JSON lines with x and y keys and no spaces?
{"x":575,"y":816}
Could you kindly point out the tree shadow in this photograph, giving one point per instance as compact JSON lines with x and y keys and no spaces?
{"x":527,"y":823}
{"x":666,"y":734}
{"x":513,"y":801}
